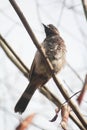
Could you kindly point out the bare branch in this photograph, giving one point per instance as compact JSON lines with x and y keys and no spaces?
{"x":13,"y":57}
{"x":85,"y":8}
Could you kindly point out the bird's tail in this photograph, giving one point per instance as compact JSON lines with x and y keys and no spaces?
{"x":25,"y":98}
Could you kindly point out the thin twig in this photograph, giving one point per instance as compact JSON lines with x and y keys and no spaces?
{"x":74,"y":71}
{"x":61,"y":12}
{"x":71,"y":97}
{"x":57,"y":82}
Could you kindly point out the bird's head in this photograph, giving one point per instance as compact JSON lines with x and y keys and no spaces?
{"x":51,"y":30}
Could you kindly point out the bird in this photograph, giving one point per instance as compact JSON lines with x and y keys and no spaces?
{"x":55,"y":50}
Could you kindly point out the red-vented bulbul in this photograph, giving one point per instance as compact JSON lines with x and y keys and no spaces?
{"x":55,"y":50}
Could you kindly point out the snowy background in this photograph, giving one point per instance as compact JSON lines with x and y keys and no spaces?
{"x":69,"y":18}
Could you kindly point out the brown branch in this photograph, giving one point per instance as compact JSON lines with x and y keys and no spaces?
{"x":85,"y":8}
{"x":13,"y":56}
{"x":57,"y":82}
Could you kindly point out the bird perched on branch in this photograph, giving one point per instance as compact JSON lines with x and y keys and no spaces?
{"x":55,"y":50}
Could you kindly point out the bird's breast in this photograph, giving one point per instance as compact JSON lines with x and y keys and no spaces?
{"x":55,"y":51}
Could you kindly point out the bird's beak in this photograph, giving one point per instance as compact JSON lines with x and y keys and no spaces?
{"x":46,"y":27}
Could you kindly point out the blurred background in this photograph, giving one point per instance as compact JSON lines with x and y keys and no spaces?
{"x":69,"y":17}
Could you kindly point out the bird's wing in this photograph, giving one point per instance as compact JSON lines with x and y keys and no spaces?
{"x":32,"y":69}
